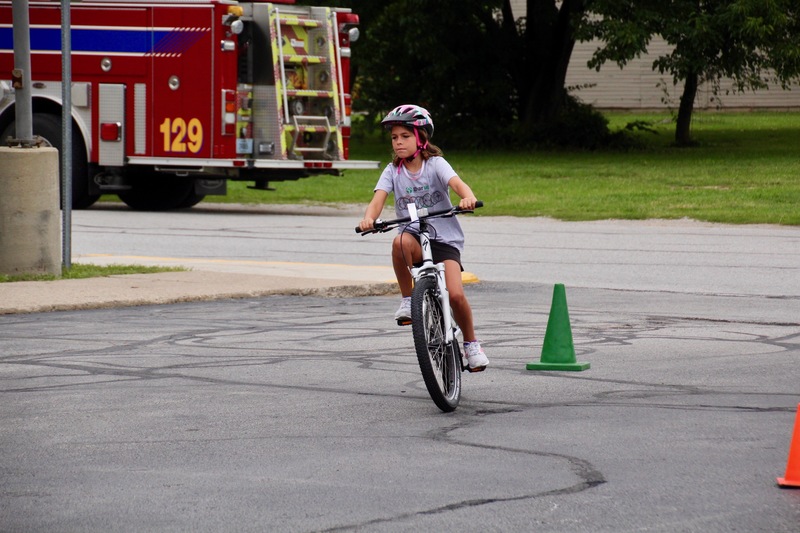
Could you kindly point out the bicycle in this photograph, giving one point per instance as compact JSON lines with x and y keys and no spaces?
{"x":436,"y":334}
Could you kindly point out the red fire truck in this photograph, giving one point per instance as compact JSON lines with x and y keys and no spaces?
{"x":172,"y":98}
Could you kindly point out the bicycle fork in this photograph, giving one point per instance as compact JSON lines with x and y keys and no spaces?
{"x":429,"y":268}
{"x":450,"y":325}
{"x":451,"y":328}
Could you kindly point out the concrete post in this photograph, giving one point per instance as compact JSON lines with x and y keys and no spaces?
{"x":30,"y":229}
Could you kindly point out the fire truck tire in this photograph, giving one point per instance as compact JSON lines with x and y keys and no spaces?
{"x":192,"y":200}
{"x":49,"y":127}
{"x":153,"y":191}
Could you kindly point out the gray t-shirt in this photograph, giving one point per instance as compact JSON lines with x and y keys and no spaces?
{"x":428,"y":189}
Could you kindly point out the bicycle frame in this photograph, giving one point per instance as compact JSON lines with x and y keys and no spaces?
{"x":429,"y":268}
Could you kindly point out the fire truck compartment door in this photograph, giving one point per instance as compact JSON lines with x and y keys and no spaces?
{"x":111,"y":112}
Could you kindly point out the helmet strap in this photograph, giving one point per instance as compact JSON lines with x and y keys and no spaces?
{"x":420,"y":148}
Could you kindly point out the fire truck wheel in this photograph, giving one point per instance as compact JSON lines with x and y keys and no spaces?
{"x":154,"y":191}
{"x":49,"y":127}
{"x":192,"y":200}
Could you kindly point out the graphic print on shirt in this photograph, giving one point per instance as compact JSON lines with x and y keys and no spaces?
{"x":423,"y":200}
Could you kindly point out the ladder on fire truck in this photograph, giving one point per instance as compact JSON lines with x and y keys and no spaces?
{"x":308,"y":77}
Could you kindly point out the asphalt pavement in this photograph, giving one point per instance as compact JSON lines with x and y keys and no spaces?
{"x":232,"y":404}
{"x":312,"y":250}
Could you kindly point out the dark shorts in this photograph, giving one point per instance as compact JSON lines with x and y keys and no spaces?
{"x":443,"y":251}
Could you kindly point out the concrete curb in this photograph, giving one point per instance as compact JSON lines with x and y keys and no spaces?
{"x":169,"y":287}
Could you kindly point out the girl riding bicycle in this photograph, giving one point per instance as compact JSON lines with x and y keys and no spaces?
{"x":419,"y":174}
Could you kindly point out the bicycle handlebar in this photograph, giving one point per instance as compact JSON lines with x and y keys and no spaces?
{"x":382,"y":226}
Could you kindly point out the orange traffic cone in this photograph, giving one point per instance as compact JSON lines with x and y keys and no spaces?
{"x":792,"y":476}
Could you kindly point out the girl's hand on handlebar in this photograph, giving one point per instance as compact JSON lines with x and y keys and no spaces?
{"x":468,"y":203}
{"x":366,"y":224}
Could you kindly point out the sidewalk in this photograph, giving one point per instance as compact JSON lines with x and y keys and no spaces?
{"x":206,"y":280}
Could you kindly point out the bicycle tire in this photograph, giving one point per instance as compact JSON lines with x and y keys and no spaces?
{"x":439,"y":362}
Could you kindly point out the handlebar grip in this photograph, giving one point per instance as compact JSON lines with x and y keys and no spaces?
{"x":377,"y":227}
{"x":478,"y":204}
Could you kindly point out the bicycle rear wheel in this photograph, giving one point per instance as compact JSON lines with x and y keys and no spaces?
{"x":439,"y":362}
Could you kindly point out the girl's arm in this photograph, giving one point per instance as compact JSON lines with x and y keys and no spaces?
{"x":373,"y":210}
{"x":463,"y":190}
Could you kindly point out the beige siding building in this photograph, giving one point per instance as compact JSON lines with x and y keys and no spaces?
{"x":638,"y":86}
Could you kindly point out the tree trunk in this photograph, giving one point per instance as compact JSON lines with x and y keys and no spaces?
{"x":512,"y":52}
{"x":551,"y":47}
{"x":683,"y":128}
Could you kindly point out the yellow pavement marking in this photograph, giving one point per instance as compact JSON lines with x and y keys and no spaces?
{"x":229,"y":261}
{"x":469,"y":277}
{"x":466,"y":277}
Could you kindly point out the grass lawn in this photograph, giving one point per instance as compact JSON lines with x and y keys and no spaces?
{"x":745,"y":169}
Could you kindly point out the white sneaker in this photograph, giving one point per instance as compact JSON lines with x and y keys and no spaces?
{"x":403,"y":314}
{"x":476,"y":359}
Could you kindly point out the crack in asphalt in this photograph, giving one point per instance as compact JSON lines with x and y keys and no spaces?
{"x":589,"y":475}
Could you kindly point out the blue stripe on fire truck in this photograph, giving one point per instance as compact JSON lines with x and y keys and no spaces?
{"x":110,"y":41}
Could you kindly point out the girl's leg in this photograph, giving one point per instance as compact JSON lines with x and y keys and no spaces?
{"x":458,"y":300}
{"x":476,"y":358}
{"x":405,"y":252}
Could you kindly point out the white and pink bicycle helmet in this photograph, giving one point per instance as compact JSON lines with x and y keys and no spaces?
{"x":410,"y":115}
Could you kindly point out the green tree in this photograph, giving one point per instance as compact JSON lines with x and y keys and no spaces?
{"x":535,"y":49}
{"x":752,"y":42}
{"x":486,"y":76}
{"x":438,"y":55}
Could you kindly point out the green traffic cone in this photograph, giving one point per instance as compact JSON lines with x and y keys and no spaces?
{"x":558,"y":352}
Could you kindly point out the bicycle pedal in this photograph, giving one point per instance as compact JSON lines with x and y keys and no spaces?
{"x":404,"y":322}
{"x":476,"y":369}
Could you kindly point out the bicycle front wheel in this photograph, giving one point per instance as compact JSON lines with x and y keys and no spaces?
{"x":439,"y":362}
